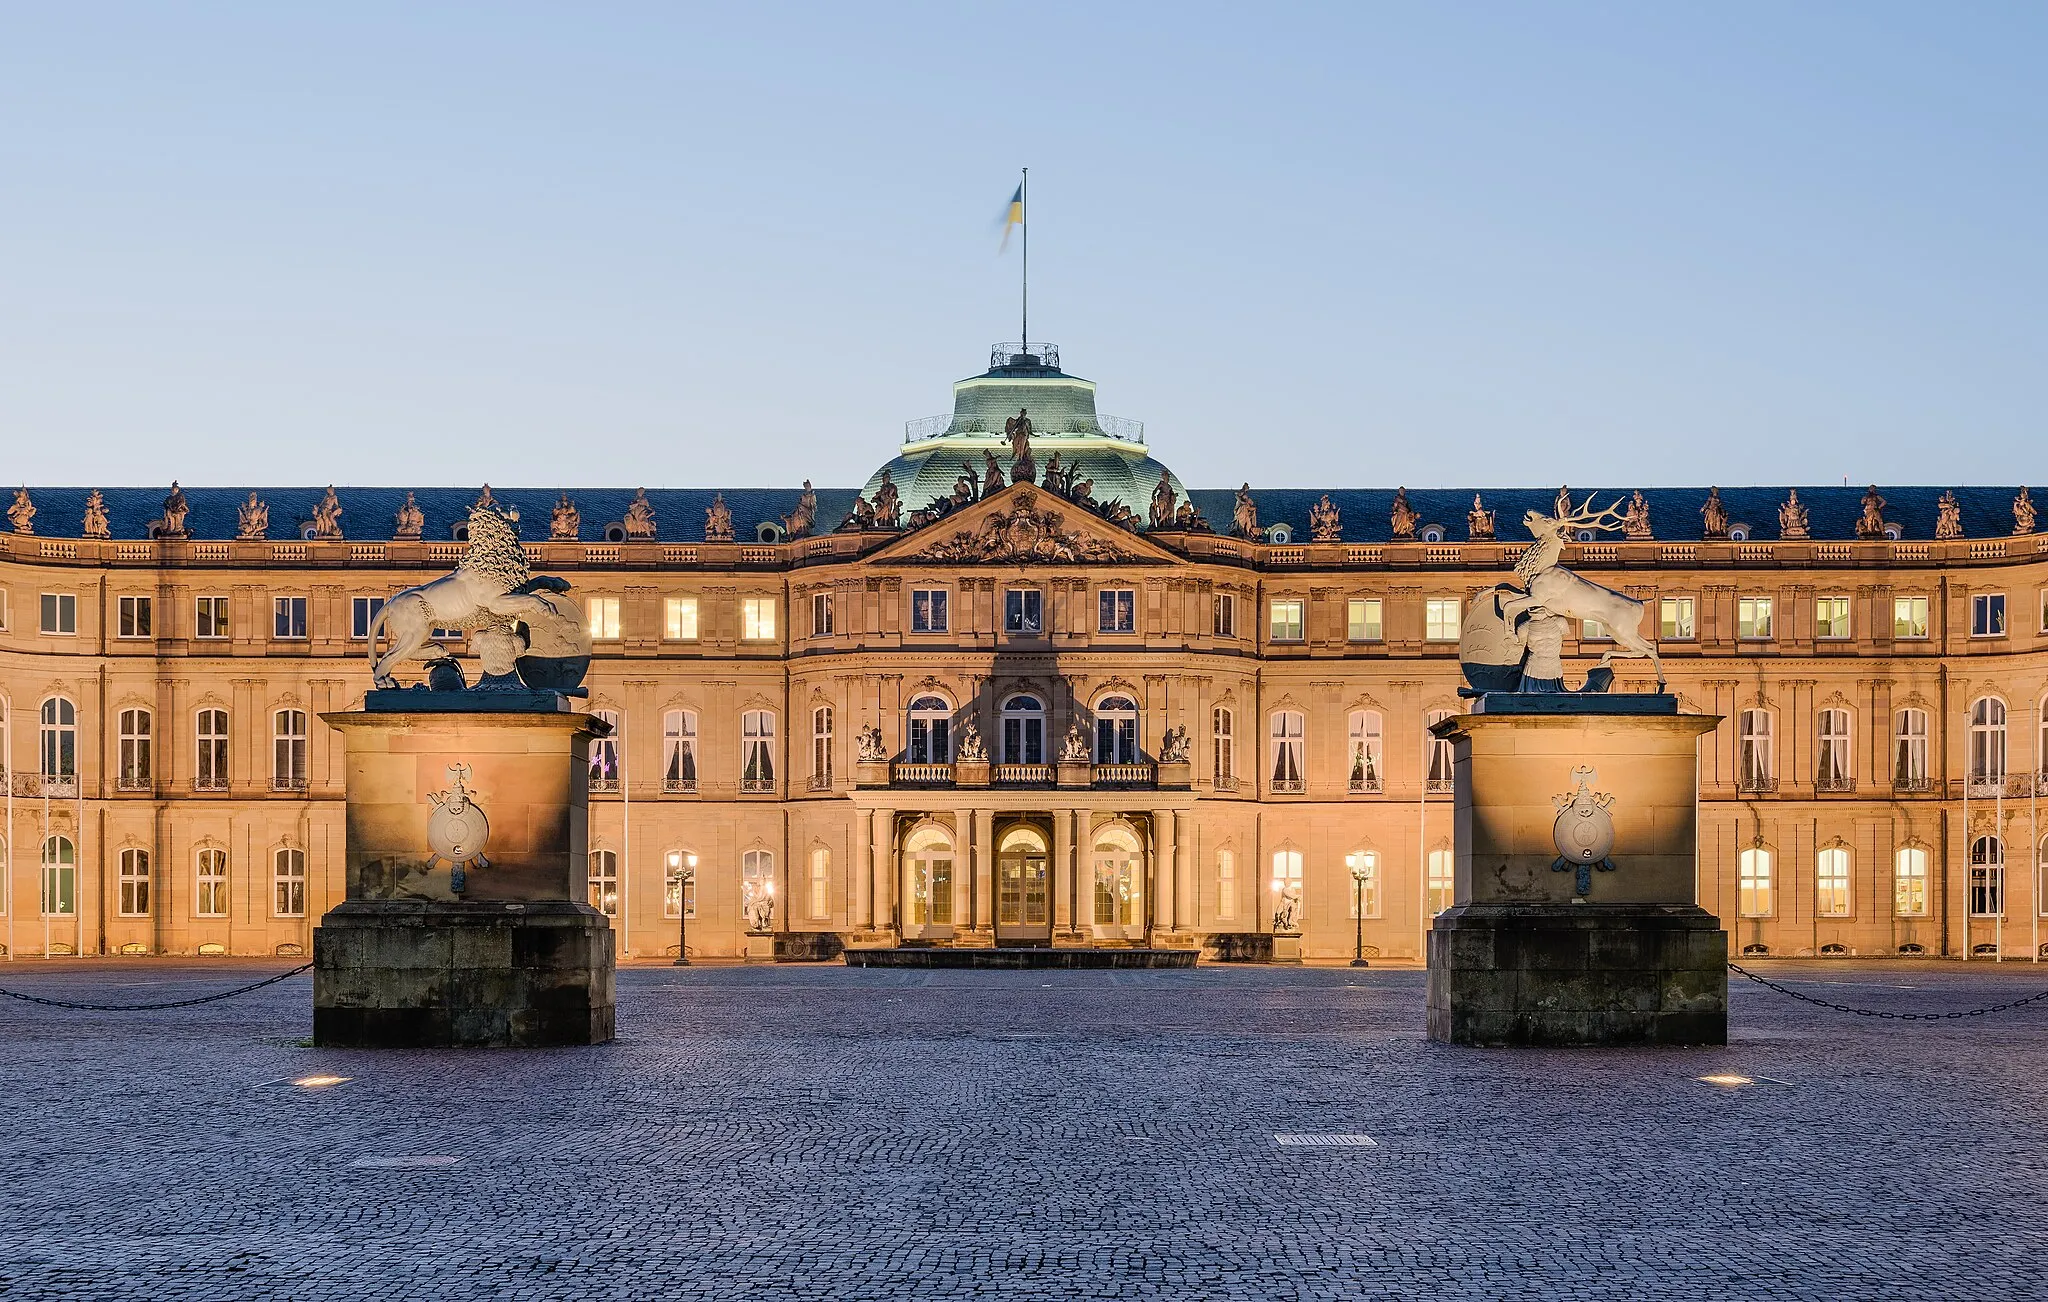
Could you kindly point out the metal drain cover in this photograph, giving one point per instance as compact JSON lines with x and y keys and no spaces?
{"x":1325,"y":1141}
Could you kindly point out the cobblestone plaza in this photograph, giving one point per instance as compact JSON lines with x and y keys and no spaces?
{"x":820,"y":1132}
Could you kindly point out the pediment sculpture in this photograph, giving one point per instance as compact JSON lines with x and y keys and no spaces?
{"x":1024,"y":533}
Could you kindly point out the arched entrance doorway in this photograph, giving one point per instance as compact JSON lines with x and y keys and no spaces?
{"x":1118,"y":894}
{"x":928,"y":885}
{"x":1023,"y":891}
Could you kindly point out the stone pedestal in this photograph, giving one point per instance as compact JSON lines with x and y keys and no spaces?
{"x":508,"y":955}
{"x":1608,"y":946}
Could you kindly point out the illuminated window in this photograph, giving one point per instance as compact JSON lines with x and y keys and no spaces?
{"x":1365,"y":741}
{"x":1755,"y":765}
{"x":604,"y":882}
{"x":1753,"y":883}
{"x":1674,"y":619}
{"x":1441,"y":881}
{"x":1909,"y":750}
{"x":1753,"y":618}
{"x":1226,"y":886}
{"x":1909,"y":883}
{"x":1225,"y":746}
{"x":821,"y":746}
{"x":1835,"y":772}
{"x":757,"y":619}
{"x":1362,"y":619}
{"x":1831,"y":617}
{"x":604,"y":753}
{"x":1831,"y":882}
{"x":1363,"y":867}
{"x":1117,"y":883}
{"x":1287,"y":898}
{"x":1909,"y":617}
{"x":1286,"y":623}
{"x":604,"y":618}
{"x":679,"y":619}
{"x":1288,"y":730}
{"x":821,"y":883}
{"x":1440,"y":619}
{"x":928,"y":855}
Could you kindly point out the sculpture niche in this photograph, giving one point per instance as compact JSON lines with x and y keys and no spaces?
{"x":1513,"y":637}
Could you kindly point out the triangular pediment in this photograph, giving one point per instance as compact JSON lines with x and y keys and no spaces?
{"x":1023,"y":525}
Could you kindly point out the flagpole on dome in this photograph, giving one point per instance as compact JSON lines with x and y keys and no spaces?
{"x":1024,"y":224}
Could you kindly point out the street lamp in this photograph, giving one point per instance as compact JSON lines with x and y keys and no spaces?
{"x":1360,"y":872}
{"x":682,"y":868}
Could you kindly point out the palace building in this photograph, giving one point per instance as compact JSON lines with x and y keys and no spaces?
{"x":1024,"y":687}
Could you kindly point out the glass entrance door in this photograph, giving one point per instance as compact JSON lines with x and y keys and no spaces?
{"x":1023,"y":894}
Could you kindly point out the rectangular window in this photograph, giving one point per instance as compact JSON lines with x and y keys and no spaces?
{"x":1226,"y":751}
{"x":133,"y":616}
{"x":1831,"y":883}
{"x":60,"y":613}
{"x":757,"y":751}
{"x":821,"y":883}
{"x":1286,"y":623}
{"x":288,"y":751}
{"x":1364,"y":867}
{"x":1288,"y":750}
{"x":135,"y":883}
{"x":1987,"y":615}
{"x":288,"y":879}
{"x":1753,"y":883}
{"x":1024,"y":611}
{"x":1116,"y":610}
{"x":210,"y":771}
{"x":1909,"y":883}
{"x":821,"y":748}
{"x":1226,"y":886}
{"x":210,"y":617}
{"x":1831,"y":617}
{"x":679,"y":885}
{"x":1226,"y":615}
{"x":1909,"y":617}
{"x":1674,"y":619}
{"x":288,"y":618}
{"x":604,"y":882}
{"x":1362,"y":619}
{"x":1440,"y":619}
{"x":1753,"y":618}
{"x":821,"y":614}
{"x":928,"y":610}
{"x":212,"y":898}
{"x":679,"y":619}
{"x":1442,"y":881}
{"x":135,"y":757}
{"x":604,"y":619}
{"x":362,"y":614}
{"x":757,"y":619}
{"x":1592,"y":630}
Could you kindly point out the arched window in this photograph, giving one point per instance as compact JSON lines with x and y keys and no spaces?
{"x":931,"y":729}
{"x":134,"y":883}
{"x":604,"y":882}
{"x":210,"y":767}
{"x":210,"y":900}
{"x":134,"y":771}
{"x":1365,"y":750}
{"x":757,"y":751}
{"x":821,"y":882}
{"x":1287,"y":891}
{"x":1753,"y":883}
{"x":1909,"y":882}
{"x":928,"y":855}
{"x":1755,"y":764}
{"x":288,"y":751}
{"x":1987,"y":877}
{"x":757,"y":890}
{"x":604,"y":753}
{"x":1225,"y":724}
{"x":1226,"y":885}
{"x":1909,"y":750}
{"x":1442,"y":758}
{"x":1836,"y":771}
{"x":60,"y":877}
{"x":1987,"y":743}
{"x":1831,"y":882}
{"x":60,"y":739}
{"x":1117,"y":877}
{"x":1363,"y":867}
{"x":821,"y":748}
{"x":679,"y":750}
{"x":1289,"y":740}
{"x":1023,"y":730}
{"x":1116,"y":730}
{"x":288,"y":882}
{"x":1441,"y":879}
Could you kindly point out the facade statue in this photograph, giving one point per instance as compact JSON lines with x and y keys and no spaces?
{"x":1325,"y":521}
{"x":1081,"y":492}
{"x":1635,"y":526}
{"x":970,"y":479}
{"x":717,"y":520}
{"x":1175,"y":747}
{"x":1244,"y":518}
{"x":1188,"y":519}
{"x":96,"y":516}
{"x":518,"y":615}
{"x":797,"y":524}
{"x":757,"y":905}
{"x":861,"y":517}
{"x":1404,"y":517}
{"x":1057,"y":478}
{"x":868,"y":745}
{"x":1478,"y":521}
{"x":176,"y":508}
{"x":326,"y":515}
{"x":888,"y":502}
{"x":1287,"y":913}
{"x":1074,"y":746}
{"x":22,"y":515}
{"x":1948,"y":518}
{"x":485,"y":499}
{"x":1023,"y":470}
{"x":406,"y":525}
{"x":991,"y":473}
{"x":2023,"y":512}
{"x":1024,"y":533}
{"x":1713,"y":516}
{"x":639,"y":521}
{"x":1513,"y":637}
{"x":565,"y":524}
{"x":252,"y":520}
{"x":964,"y":487}
{"x":1871,"y":523}
{"x":969,"y":745}
{"x":1163,"y":501}
{"x":1792,"y":517}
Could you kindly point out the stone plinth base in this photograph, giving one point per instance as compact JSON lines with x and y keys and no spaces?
{"x":1040,"y":957}
{"x":415,"y":974}
{"x":1578,"y":974}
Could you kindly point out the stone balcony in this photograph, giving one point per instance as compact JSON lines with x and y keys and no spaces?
{"x":979,"y":774}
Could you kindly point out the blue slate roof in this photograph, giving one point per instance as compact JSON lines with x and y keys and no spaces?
{"x":367,"y":513}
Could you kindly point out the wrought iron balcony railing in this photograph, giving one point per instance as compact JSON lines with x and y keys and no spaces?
{"x":1440,"y":786}
{"x":1365,"y":786}
{"x":1756,"y":784}
{"x":757,"y":786}
{"x":679,"y":786}
{"x":54,"y":785}
{"x":1224,"y":782}
{"x":287,"y":782}
{"x":133,"y":782}
{"x":1834,"y":783}
{"x":1913,"y":782}
{"x":1027,"y":353}
{"x":1287,"y":786}
{"x":209,"y":784}
{"x":1121,"y":428}
{"x":604,"y":784}
{"x":821,"y":781}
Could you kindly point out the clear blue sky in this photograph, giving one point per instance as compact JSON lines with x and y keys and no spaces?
{"x":739,"y":245}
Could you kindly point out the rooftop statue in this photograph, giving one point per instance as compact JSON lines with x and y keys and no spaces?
{"x":485,"y":499}
{"x":1057,"y":479}
{"x":861,"y":517}
{"x":1713,"y":516}
{"x":176,"y":508}
{"x":991,"y":473}
{"x":96,"y":516}
{"x":1792,"y":518}
{"x":326,"y":515}
{"x":566,"y":524}
{"x":1023,"y":470}
{"x":1478,"y":521}
{"x":1325,"y":521}
{"x":1871,"y":523}
{"x":717,"y":520}
{"x":1188,"y":518}
{"x":972,"y":481}
{"x":2023,"y":512}
{"x":524,"y":632}
{"x":22,"y":515}
{"x":1948,"y":521}
{"x":1163,"y":501}
{"x":1244,"y":519}
{"x":407,"y":523}
{"x":1636,"y":524}
{"x":797,"y":524}
{"x":639,"y":521}
{"x":888,"y":503}
{"x":1564,"y":501}
{"x":1513,"y":637}
{"x":252,"y":519}
{"x":1404,"y":517}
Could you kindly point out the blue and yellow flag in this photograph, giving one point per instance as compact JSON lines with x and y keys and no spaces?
{"x":1013,"y":217}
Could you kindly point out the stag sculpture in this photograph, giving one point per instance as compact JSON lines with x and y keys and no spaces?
{"x":1547,"y":586}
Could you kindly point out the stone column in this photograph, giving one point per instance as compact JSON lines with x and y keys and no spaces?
{"x":967,"y":840}
{"x":885,"y":867}
{"x":1162,"y":857}
{"x":1062,"y":870}
{"x":861,"y":907}
{"x":984,"y":868}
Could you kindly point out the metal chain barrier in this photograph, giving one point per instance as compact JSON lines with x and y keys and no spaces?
{"x":1884,"y":1013}
{"x":137,"y":1008}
